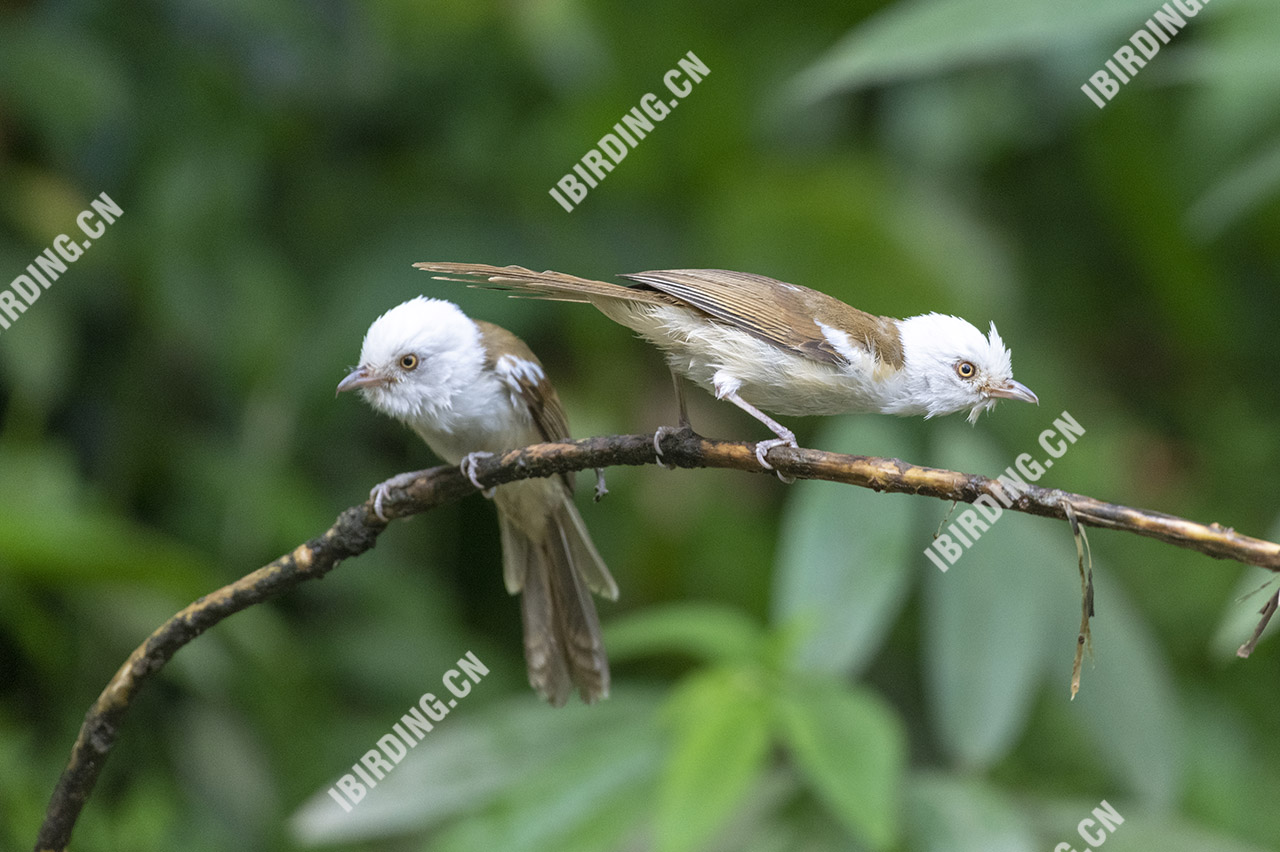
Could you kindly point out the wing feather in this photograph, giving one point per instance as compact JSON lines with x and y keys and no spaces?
{"x":555,"y":286}
{"x":522,"y":373}
{"x":786,"y":315}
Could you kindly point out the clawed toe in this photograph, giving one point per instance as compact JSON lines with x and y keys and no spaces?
{"x":762,"y":450}
{"x":381,"y":492}
{"x":468,"y":468}
{"x":661,"y":433}
{"x":378,"y":494}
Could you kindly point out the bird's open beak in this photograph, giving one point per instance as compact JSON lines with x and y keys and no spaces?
{"x":360,"y":377}
{"x":1011,"y":390}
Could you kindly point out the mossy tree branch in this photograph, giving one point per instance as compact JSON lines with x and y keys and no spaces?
{"x":356,"y":530}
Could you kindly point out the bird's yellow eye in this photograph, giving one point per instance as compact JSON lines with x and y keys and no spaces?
{"x":965,"y":370}
{"x":408,"y":361}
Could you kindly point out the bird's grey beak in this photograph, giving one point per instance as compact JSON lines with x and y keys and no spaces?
{"x":360,"y":377}
{"x":1014,"y":390}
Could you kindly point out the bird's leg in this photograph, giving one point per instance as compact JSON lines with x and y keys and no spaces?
{"x":664,"y":431}
{"x":468,"y":468}
{"x":383,"y":490}
{"x":600,"y":489}
{"x":786,"y":438}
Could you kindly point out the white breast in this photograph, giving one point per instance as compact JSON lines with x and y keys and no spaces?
{"x":480,"y":418}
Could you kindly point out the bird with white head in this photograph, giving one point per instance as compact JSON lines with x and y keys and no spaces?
{"x":769,"y":346}
{"x":469,"y":389}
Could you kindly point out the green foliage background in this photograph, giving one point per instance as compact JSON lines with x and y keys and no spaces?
{"x":790,"y":671}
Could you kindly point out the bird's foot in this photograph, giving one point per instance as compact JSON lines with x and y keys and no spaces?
{"x":382,"y":491}
{"x":661,"y":433}
{"x":763,"y":448}
{"x":468,"y":468}
{"x":600,"y":488}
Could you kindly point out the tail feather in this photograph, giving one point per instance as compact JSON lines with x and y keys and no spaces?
{"x":583,"y":554}
{"x":579,"y":626}
{"x":555,"y":574}
{"x":516,"y":553}
{"x":543,"y":653}
{"x":555,"y":286}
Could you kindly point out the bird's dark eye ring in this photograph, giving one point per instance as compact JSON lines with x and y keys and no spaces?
{"x":965,"y":370}
{"x":408,"y":361}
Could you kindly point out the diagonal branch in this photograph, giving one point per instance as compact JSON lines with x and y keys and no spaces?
{"x":356,"y":530}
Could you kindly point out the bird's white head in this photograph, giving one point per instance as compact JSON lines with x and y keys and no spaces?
{"x":416,"y":358}
{"x":949,"y":366}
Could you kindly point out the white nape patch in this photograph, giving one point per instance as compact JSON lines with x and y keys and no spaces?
{"x":516,"y":372}
{"x":511,"y":367}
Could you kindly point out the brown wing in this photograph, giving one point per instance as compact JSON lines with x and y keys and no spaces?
{"x":524,"y":375}
{"x":783,"y":314}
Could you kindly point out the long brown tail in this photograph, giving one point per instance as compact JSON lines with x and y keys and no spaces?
{"x":555,"y":286}
{"x":555,"y":573}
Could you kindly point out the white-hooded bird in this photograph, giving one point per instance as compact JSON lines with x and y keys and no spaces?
{"x":470,"y":388}
{"x":769,"y":346}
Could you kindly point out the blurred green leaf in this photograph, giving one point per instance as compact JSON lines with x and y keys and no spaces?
{"x":1143,"y":829}
{"x":862,"y":223}
{"x":993,"y":623}
{"x":224,"y":764}
{"x":953,"y":814}
{"x":64,"y":82}
{"x":506,"y":767}
{"x":852,"y":749}
{"x":1234,"y":66}
{"x":1128,"y":704}
{"x":98,"y":547}
{"x":1228,"y":780}
{"x":594,"y":793}
{"x":709,"y":632}
{"x":52,"y":530}
{"x":1243,"y":190}
{"x":721,"y":738}
{"x":926,"y":36}
{"x":844,"y":556}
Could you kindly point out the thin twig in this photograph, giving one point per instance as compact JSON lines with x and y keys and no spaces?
{"x":1084,"y":640}
{"x":1268,"y":610}
{"x":356,"y":530}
